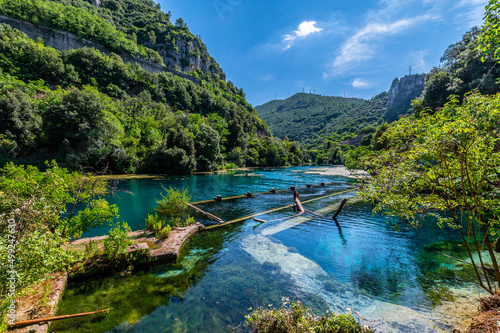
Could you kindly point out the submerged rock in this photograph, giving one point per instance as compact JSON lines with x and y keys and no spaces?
{"x":309,"y":278}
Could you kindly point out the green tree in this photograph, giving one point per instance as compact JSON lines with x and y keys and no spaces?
{"x":489,"y":39}
{"x":73,"y":118}
{"x":207,"y":147}
{"x":445,"y":165}
{"x":41,"y":211}
{"x":18,"y":119}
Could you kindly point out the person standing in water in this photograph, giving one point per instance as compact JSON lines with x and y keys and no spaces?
{"x":295,"y":197}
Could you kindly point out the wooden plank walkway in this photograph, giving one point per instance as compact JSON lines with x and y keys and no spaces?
{"x":257,"y":194}
{"x":274,"y":210}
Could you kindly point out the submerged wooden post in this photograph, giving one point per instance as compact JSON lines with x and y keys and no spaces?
{"x":42,"y":320}
{"x":340,"y":208}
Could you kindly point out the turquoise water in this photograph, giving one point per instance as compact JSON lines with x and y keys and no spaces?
{"x":137,"y":197}
{"x":360,"y":264}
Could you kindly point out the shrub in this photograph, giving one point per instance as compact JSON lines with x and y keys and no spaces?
{"x":165,"y":232}
{"x":175,"y":202}
{"x":296,"y":319}
{"x":180,"y":222}
{"x":159,"y":225}
{"x":117,"y":243}
{"x":91,"y":250}
{"x":155,"y":222}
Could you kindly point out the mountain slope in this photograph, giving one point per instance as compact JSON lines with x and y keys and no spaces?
{"x":87,"y":109}
{"x":305,"y":117}
{"x":134,"y":26}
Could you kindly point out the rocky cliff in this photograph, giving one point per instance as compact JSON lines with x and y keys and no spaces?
{"x":178,"y":47}
{"x":63,"y":40}
{"x":402,"y":92}
{"x":186,"y":55}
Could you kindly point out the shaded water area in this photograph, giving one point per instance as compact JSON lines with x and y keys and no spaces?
{"x":361,"y":263}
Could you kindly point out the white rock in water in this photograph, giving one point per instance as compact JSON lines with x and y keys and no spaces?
{"x":309,"y":278}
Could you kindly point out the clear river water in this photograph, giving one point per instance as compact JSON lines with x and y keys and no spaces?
{"x":391,"y":280}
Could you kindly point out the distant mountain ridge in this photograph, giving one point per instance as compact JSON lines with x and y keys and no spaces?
{"x":304,"y":117}
{"x":309,"y":118}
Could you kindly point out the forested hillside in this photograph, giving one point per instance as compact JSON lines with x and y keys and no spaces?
{"x":136,"y":27}
{"x":322,"y":123}
{"x":89,"y":109}
{"x":303,"y":117}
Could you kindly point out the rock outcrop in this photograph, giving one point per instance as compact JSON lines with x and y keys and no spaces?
{"x":63,"y":40}
{"x":402,"y":92}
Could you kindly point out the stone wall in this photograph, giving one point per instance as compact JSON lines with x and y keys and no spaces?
{"x":63,"y":40}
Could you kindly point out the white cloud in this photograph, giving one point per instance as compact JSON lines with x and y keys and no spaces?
{"x":363,"y":45}
{"x":305,"y":29}
{"x":360,"y":83}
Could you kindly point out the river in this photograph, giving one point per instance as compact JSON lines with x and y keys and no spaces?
{"x":394,"y":279}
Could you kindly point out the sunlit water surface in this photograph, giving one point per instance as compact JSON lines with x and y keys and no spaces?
{"x":360,"y":264}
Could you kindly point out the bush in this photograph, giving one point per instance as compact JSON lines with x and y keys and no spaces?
{"x":159,"y":225}
{"x":179,"y":222}
{"x":91,"y":250}
{"x":175,"y":202}
{"x":297,"y":319}
{"x":117,"y":243}
{"x":165,"y":232}
{"x":155,"y":222}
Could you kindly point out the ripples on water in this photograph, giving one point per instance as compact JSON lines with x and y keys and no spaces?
{"x":362,"y":263}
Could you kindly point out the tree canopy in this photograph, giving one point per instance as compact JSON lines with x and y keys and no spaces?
{"x":444,"y":165}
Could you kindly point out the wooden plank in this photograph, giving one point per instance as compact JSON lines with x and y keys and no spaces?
{"x":213,"y":217}
{"x":274,"y":210}
{"x":247,"y":217}
{"x":42,"y":320}
{"x":256,"y":194}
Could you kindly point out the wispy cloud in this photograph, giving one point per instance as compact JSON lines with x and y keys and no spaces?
{"x":418,"y":63}
{"x":470,"y":12}
{"x":364,"y":45}
{"x":305,"y":29}
{"x":266,"y":78}
{"x":360,"y":83}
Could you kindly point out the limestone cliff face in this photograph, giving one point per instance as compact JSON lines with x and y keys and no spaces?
{"x":186,"y":55}
{"x":184,"y":52}
{"x":402,"y":92}
{"x":63,"y":40}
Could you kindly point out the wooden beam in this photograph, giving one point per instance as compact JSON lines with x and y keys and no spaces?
{"x":42,"y":320}
{"x":274,"y":210}
{"x":213,"y":217}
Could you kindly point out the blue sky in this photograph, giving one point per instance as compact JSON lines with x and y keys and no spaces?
{"x":354,"y":47}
